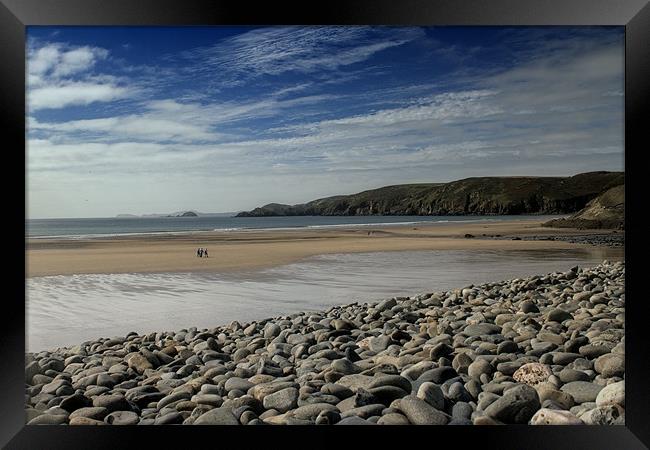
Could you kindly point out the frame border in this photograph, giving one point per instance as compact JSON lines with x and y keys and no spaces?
{"x":15,"y":15}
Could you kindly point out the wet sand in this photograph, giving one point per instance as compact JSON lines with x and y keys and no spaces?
{"x":244,"y":250}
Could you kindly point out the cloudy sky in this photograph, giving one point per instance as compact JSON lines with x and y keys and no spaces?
{"x":157,"y":119}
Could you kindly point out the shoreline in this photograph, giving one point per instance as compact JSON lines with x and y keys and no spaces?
{"x":414,"y":360}
{"x":247,"y":249}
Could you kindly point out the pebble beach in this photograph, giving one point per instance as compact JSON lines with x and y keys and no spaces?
{"x":545,"y":349}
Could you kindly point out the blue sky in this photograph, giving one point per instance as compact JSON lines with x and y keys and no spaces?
{"x":159,"y":119}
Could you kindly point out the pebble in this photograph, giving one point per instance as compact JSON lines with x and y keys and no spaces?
{"x":543,"y":349}
{"x":612,"y":394}
{"x":217,"y":416}
{"x":122,"y":418}
{"x":582,"y":391}
{"x":282,"y":400}
{"x":516,"y":406}
{"x":554,"y":417}
{"x":420,"y":412}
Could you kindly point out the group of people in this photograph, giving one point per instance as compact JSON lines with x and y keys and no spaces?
{"x":202,"y":252}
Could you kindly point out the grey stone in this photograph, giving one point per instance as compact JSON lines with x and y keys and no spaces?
{"x":217,"y":416}
{"x":420,"y":412}
{"x":282,"y":400}
{"x":432,"y":394}
{"x":516,"y":406}
{"x":122,"y":418}
{"x":582,"y":391}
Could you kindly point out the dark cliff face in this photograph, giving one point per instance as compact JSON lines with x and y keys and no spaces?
{"x":605,"y":211}
{"x":471,"y":196}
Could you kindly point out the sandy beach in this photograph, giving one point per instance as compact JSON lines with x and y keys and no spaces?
{"x":242,"y":250}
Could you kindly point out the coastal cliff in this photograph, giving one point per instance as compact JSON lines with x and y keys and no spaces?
{"x":605,"y":211}
{"x":470,"y":196}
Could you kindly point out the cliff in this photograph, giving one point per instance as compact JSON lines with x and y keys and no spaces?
{"x":470,"y":196}
{"x":605,"y":211}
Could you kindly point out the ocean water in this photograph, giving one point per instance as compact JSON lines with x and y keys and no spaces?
{"x":66,"y":310}
{"x":83,"y":228}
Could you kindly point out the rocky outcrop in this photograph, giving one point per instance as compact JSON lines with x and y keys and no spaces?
{"x":471,"y":196}
{"x":605,"y":211}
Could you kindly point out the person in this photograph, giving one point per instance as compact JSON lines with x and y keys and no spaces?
{"x":200,"y":253}
{"x":205,"y":252}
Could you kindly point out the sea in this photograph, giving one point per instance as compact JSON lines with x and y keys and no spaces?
{"x":66,"y":310}
{"x":116,"y":226}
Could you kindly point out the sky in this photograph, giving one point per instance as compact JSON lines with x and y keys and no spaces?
{"x":139,"y":120}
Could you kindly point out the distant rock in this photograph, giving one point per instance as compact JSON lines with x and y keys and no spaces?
{"x":184,"y":214}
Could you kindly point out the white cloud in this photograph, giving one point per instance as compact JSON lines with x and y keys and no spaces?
{"x":73,"y":93}
{"x":55,"y":60}
{"x":276,"y":50}
{"x":59,"y":76}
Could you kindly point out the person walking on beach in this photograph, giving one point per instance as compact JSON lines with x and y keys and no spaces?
{"x":200,"y":253}
{"x":205,"y":252}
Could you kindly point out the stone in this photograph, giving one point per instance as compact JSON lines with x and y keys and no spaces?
{"x":171,"y":418}
{"x":516,"y":406}
{"x":54,"y":386}
{"x":364,"y":411}
{"x":481,"y":329}
{"x":479,"y":367}
{"x":115,"y":402}
{"x":582,"y":391}
{"x":532,"y":373}
{"x":217,"y":416}
{"x":548,"y":392}
{"x":75,"y":401}
{"x":554,"y":417}
{"x":345,"y":366}
{"x":461,"y":410}
{"x":593,"y":351}
{"x":85,"y":421}
{"x":461,"y":362}
{"x":604,"y":415}
{"x":612,"y":394}
{"x":610,"y":365}
{"x":528,"y":307}
{"x":420,"y":412}
{"x":33,"y":368}
{"x":310,"y":412}
{"x":338,"y":390}
{"x":271,"y":330}
{"x":207,"y":399}
{"x":387,"y":394}
{"x":354,"y":420}
{"x":122,"y":418}
{"x":380,"y":343}
{"x":97,"y":413}
{"x":139,"y":363}
{"x":567,"y":375}
{"x":432,"y":394}
{"x":507,"y":347}
{"x":393,"y":419}
{"x":236,"y":383}
{"x":282,"y":400}
{"x":48,"y":419}
{"x":391,"y":380}
{"x":558,"y":315}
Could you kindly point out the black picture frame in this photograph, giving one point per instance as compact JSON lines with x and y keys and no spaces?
{"x":15,"y":15}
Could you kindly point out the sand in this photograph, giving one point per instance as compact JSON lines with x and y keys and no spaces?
{"x":243,"y":250}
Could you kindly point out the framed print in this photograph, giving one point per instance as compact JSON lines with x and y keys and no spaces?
{"x":348,"y":213}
